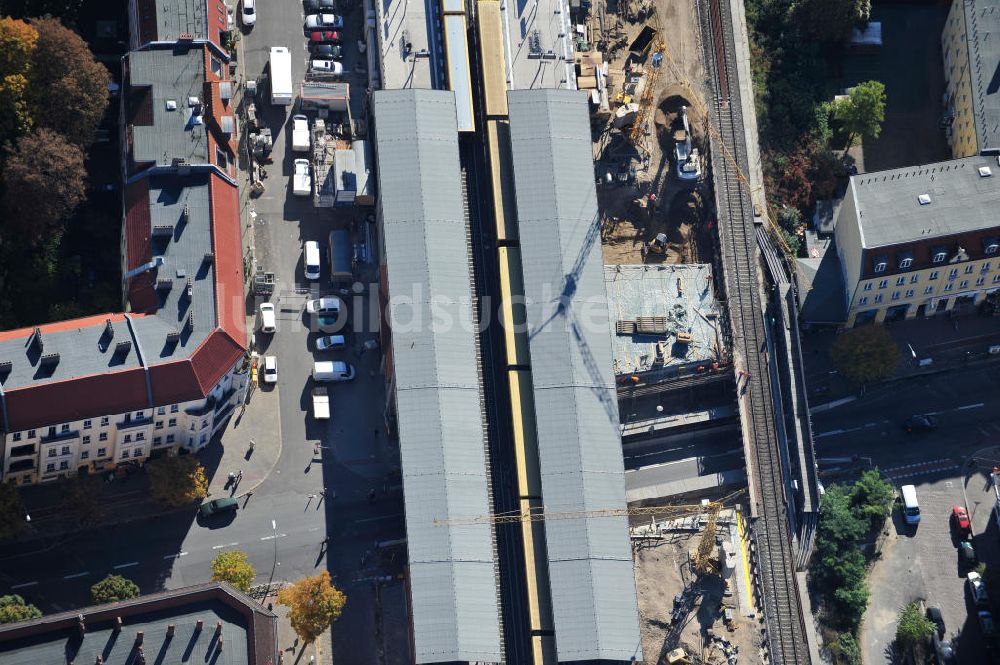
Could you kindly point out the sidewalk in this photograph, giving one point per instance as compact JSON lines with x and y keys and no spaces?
{"x":129,"y":498}
{"x":947,"y":344}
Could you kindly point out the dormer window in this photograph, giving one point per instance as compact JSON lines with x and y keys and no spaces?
{"x":924,"y":199}
{"x":905,"y":263}
{"x":939,"y":256}
{"x":880,"y":266}
{"x":991,"y":245}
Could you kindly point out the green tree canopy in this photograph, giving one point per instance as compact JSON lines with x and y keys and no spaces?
{"x":912,"y":627}
{"x":233,"y":567}
{"x":871,"y":498}
{"x":11,"y":512}
{"x":830,"y":20}
{"x":83,"y":500}
{"x":839,"y":527}
{"x":314,"y":605}
{"x":177,"y":481}
{"x":112,"y":589}
{"x":865,"y":354}
{"x":14,"y":608}
{"x":863,"y":112}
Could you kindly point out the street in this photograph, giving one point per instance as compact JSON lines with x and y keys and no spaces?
{"x":284,"y":525}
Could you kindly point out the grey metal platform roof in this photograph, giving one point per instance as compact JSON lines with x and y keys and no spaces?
{"x":590,"y":561}
{"x":961,"y":200}
{"x":174,"y":75}
{"x":438,"y":393}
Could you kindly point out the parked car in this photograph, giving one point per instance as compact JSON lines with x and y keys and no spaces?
{"x":330,"y":343}
{"x":934,"y":614}
{"x":270,"y":369}
{"x":960,"y":520}
{"x":248,"y":13}
{"x":326,"y":67}
{"x":300,"y":133}
{"x":326,"y":51}
{"x":337,"y":370}
{"x":324,"y":305}
{"x":311,"y":260}
{"x":319,"y":5}
{"x":920,"y":423}
{"x":944,"y":650}
{"x":986,"y":626}
{"x":324,"y":36}
{"x":321,"y":21}
{"x":301,"y":178}
{"x":217,"y":506}
{"x":974,"y":582}
{"x":967,"y":558}
{"x":268,"y":322}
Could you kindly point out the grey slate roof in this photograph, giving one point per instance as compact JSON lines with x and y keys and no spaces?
{"x":174,"y":74}
{"x":889,"y":212}
{"x":590,"y":561}
{"x":177,"y":17}
{"x":438,"y":393}
{"x":81,"y":351}
{"x":982,"y":21}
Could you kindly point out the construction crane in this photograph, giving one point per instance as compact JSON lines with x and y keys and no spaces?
{"x":539,"y":514}
{"x":643,"y":112}
{"x":703,"y":560}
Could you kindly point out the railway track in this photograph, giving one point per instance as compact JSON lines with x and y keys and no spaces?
{"x":775,"y":559}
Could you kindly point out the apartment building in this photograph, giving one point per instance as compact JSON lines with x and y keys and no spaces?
{"x":163,"y":375}
{"x":921,"y":240}
{"x":971,"y":113}
{"x":157,"y":23}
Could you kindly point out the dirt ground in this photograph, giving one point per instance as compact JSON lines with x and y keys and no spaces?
{"x":630,"y":220}
{"x":662,"y":573}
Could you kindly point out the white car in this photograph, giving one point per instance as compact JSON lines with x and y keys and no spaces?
{"x":248,"y":13}
{"x":314,"y":21}
{"x":300,"y":133}
{"x":332,"y":371}
{"x":301,"y":179}
{"x":268,"y":321}
{"x":324,"y":305}
{"x":330,"y":343}
{"x":326,"y":67}
{"x":977,"y":590}
{"x":270,"y":369}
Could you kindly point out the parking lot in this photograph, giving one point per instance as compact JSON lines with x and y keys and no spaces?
{"x":921,"y":564}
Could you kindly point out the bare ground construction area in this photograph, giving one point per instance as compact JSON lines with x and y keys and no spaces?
{"x":701,"y":614}
{"x":650,"y":213}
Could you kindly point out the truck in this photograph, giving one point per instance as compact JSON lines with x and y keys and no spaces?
{"x":321,"y":404}
{"x":341,"y":257}
{"x":281,"y":76}
{"x":300,"y":133}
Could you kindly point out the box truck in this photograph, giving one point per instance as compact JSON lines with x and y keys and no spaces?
{"x":281,"y":76}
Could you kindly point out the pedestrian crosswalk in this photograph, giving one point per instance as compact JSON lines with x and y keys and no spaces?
{"x":922,"y":468}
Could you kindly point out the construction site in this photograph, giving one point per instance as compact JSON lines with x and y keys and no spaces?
{"x":648,"y":130}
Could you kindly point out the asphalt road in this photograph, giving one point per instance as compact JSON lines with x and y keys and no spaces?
{"x":281,"y":527}
{"x":966,"y":403}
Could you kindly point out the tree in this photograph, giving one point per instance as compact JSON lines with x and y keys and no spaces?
{"x":850,"y":652}
{"x":872,"y":498}
{"x":11,"y":512}
{"x":314,"y":603}
{"x":14,"y":608}
{"x":912,"y":627}
{"x":83,"y":500}
{"x":863,"y":111}
{"x":830,"y":20}
{"x":69,"y":88}
{"x":234,"y":568}
{"x":112,"y":589}
{"x":865,"y":354}
{"x":44,"y":181}
{"x":177,"y":481}
{"x":838,"y":527}
{"x":17,"y":42}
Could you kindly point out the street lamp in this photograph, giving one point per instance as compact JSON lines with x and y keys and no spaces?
{"x":274,"y":537}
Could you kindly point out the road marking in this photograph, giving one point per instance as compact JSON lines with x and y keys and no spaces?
{"x":26,"y":584}
{"x":385,"y":517}
{"x":970,"y":406}
{"x":280,"y":535}
{"x":219,"y":547}
{"x":175,"y":556}
{"x":74,"y":576}
{"x":921,"y":468}
{"x":126,"y":565}
{"x":833,"y":432}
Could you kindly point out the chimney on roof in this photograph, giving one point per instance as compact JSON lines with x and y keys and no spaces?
{"x":99,"y":660}
{"x":209,"y":258}
{"x":199,"y":625}
{"x":218,"y":628}
{"x":118,"y":624}
{"x":186,"y":213}
{"x":123,"y":347}
{"x":49,"y":360}
{"x":138,"y":637}
{"x":109,"y":329}
{"x":164,"y":284}
{"x":189,"y":322}
{"x":220,"y":643}
{"x":36,"y":340}
{"x":80,"y":625}
{"x":170,"y":630}
{"x":173,"y":337}
{"x":190,"y":288}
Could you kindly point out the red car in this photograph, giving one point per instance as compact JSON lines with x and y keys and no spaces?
{"x":960,"y":518}
{"x":324,"y":36}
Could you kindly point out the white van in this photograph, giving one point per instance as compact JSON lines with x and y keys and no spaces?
{"x":911,"y":508}
{"x":336,"y":370}
{"x":310,"y":256}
